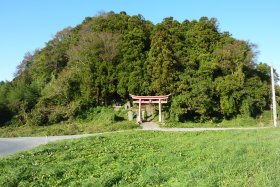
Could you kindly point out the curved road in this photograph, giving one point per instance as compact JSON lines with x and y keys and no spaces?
{"x":13,"y":145}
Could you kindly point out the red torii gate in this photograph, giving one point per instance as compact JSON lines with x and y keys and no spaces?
{"x":149,"y":100}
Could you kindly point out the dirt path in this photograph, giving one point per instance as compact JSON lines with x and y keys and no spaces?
{"x":150,"y":126}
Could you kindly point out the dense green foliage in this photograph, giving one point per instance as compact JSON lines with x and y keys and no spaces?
{"x":210,"y":74}
{"x":217,"y":158}
{"x":98,"y":119}
{"x":264,"y":120}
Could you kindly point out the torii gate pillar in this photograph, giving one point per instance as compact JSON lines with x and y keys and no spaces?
{"x":159,"y":111}
{"x":149,"y":100}
{"x":139,"y":118}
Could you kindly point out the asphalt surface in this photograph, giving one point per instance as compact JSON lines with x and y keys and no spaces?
{"x":10,"y":146}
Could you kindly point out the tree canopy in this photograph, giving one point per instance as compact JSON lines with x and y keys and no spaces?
{"x":210,"y":74}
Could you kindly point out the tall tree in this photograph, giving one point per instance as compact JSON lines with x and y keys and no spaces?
{"x":134,"y":46}
{"x":163,"y":65}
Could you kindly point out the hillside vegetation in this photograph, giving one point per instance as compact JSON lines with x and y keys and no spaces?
{"x":217,"y":158}
{"x":98,"y":119}
{"x":210,"y":74}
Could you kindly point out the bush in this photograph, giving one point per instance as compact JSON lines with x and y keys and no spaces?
{"x":102,"y":115}
{"x":5,"y":114}
{"x":56,"y":117}
{"x":37,"y":117}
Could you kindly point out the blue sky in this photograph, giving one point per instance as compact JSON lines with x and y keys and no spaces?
{"x":28,"y":24}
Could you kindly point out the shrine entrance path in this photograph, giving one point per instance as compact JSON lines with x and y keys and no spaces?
{"x":150,"y":126}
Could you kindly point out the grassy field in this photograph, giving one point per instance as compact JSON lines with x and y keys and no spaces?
{"x":141,"y":158}
{"x":65,"y":129}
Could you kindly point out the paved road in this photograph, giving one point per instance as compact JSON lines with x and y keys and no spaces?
{"x":12,"y":145}
{"x":155,"y":126}
{"x":210,"y":129}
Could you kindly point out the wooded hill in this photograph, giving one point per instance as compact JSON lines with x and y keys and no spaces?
{"x":210,"y":74}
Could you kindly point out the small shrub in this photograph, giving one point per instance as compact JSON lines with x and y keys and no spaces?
{"x":55,"y":117}
{"x":103,"y":115}
{"x":37,"y":118}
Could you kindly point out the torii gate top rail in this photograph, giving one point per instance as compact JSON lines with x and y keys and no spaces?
{"x":149,"y":100}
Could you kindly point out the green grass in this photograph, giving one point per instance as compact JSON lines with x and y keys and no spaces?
{"x":65,"y":129}
{"x":141,"y":158}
